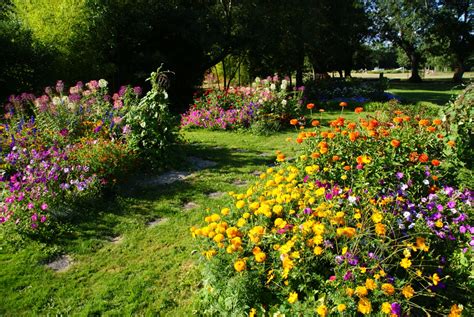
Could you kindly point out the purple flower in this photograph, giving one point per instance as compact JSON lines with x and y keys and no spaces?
{"x":399,"y":175}
{"x":307,"y":211}
{"x":396,"y":309}
{"x":59,"y":86}
{"x":348,"y":276}
{"x":43,"y":218}
{"x":137,"y":90}
{"x":44,"y":206}
{"x":451,"y":204}
{"x":34,"y":217}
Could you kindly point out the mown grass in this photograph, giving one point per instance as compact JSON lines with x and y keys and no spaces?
{"x":152,"y":270}
{"x":438,"y":92}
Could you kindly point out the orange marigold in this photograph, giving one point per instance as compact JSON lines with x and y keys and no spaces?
{"x":358,"y":110}
{"x":294,"y":121}
{"x":435,"y":162}
{"x":343,"y":104}
{"x":395,"y":143}
{"x":437,"y":121}
{"x":310,"y":106}
{"x":315,"y":123}
{"x":423,"y":158}
{"x":451,"y":143}
{"x":424,"y":122}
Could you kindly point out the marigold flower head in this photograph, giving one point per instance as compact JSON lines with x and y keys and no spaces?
{"x":294,"y":121}
{"x":240,"y":265}
{"x":322,"y":310}
{"x":341,"y":307}
{"x":405,"y":263}
{"x":388,"y":289}
{"x":395,"y":143}
{"x":315,"y":123}
{"x":293,"y":297}
{"x":343,"y":104}
{"x":423,"y":158}
{"x":451,"y":143}
{"x":435,"y":162}
{"x":435,"y":278}
{"x":456,"y":311}
{"x":424,"y":122}
{"x":364,"y":306}
{"x":408,"y":291}
{"x":358,"y":110}
{"x":310,"y":106}
{"x":437,"y":121}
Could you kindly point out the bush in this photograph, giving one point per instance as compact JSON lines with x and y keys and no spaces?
{"x":362,"y":222}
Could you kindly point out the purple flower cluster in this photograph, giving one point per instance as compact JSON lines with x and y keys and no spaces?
{"x":216,"y":117}
{"x":39,"y":178}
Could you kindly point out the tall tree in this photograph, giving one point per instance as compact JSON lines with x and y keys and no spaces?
{"x":404,"y":23}
{"x":453,"y":31}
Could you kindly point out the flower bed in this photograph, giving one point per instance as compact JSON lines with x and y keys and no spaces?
{"x":241,"y":107}
{"x":366,"y":220}
{"x":68,"y":144}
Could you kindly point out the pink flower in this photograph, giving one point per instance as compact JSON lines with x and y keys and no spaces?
{"x":30,"y":205}
{"x":44,"y":206}
{"x":332,"y":278}
{"x":34,"y":217}
{"x":43,"y":218}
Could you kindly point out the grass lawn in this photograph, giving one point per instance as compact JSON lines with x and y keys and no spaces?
{"x":151,"y":270}
{"x":438,"y":92}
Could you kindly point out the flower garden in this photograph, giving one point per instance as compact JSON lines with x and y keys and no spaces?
{"x":365,"y":211}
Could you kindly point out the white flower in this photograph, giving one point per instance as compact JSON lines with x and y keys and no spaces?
{"x":283,"y":85}
{"x":103,"y":83}
{"x":284,"y":102}
{"x":272,"y":87}
{"x":352,"y":199}
{"x":56,"y":101}
{"x":257,"y":80}
{"x":426,"y":182}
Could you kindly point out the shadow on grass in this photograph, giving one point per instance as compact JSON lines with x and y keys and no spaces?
{"x":93,"y":223}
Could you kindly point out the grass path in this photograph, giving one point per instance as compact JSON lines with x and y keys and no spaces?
{"x":148,"y":270}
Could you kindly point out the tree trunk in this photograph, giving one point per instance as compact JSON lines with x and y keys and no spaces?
{"x":340,"y":72}
{"x":458,"y":73}
{"x":415,"y":65}
{"x":347,"y":73}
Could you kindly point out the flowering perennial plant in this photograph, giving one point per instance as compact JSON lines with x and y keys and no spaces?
{"x":240,"y":107}
{"x":362,"y":222}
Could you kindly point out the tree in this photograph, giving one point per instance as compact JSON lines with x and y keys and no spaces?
{"x":453,"y":33}
{"x":405,"y":23}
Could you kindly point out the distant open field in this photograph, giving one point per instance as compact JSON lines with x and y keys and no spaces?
{"x":406,"y":75}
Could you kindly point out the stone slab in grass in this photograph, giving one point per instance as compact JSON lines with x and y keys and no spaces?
{"x":116,"y":240}
{"x":61,"y":264}
{"x":155,"y":222}
{"x":215,"y":195}
{"x":199,"y":163}
{"x":240,"y":183}
{"x":168,"y":178}
{"x":266,"y":154}
{"x":190,"y":205}
{"x":240,"y":150}
{"x":257,"y":173}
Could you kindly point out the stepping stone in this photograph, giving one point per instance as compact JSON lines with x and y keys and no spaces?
{"x":116,"y":240}
{"x":257,"y":173}
{"x":156,"y":222}
{"x":240,"y":150}
{"x":168,"y":178}
{"x":199,"y":163}
{"x":61,"y":264}
{"x":190,"y":205}
{"x":265,"y":154}
{"x":240,"y":183}
{"x":218,"y":148}
{"x":215,"y":195}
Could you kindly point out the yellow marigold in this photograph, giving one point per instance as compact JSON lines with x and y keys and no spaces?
{"x":361,"y":291}
{"x":377,"y":217}
{"x":388,"y":289}
{"x":341,"y":307}
{"x":408,"y":291}
{"x":364,"y":306}
{"x":218,"y":237}
{"x":240,"y":265}
{"x":240,"y":204}
{"x":225,"y":211}
{"x":405,"y":263}
{"x":252,"y":312}
{"x":260,"y":257}
{"x":322,"y":310}
{"x":370,"y":284}
{"x":380,"y":229}
{"x":421,"y":244}
{"x":455,"y":311}
{"x":349,"y":291}
{"x":435,"y":278}
{"x":293,"y":297}
{"x":386,"y":308}
{"x":318,"y":250}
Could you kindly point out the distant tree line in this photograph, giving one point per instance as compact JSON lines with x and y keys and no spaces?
{"x":124,"y":40}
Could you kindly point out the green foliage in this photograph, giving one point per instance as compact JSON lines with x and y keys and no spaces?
{"x":459,"y":125}
{"x":153,"y":130}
